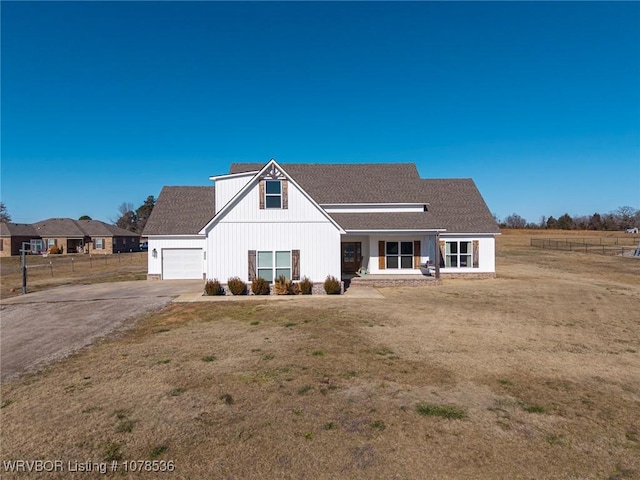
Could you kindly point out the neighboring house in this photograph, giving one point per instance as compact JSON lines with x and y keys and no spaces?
{"x":12,"y":235}
{"x":316,"y":220}
{"x":72,"y":236}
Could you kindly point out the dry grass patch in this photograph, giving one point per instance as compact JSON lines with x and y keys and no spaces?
{"x":529,"y":375}
{"x":55,"y":270}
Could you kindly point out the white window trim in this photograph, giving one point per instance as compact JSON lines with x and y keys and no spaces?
{"x":272,"y":195}
{"x":459,"y":254}
{"x":274,"y":268}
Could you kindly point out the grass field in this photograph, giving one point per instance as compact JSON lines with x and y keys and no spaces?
{"x":534,"y":374}
{"x":54,"y":270}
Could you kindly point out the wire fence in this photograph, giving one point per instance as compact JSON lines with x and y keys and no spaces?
{"x":613,"y":246}
{"x":74,"y":265}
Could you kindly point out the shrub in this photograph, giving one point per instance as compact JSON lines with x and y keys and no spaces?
{"x":305,"y":286}
{"x":213,"y":287}
{"x":283,"y":286}
{"x":237,"y":286}
{"x":332,"y":285}
{"x":259,"y":286}
{"x":55,"y":250}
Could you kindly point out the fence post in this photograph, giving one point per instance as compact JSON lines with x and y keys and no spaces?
{"x":72,"y":267}
{"x":51,"y":267}
{"x":90,"y":261}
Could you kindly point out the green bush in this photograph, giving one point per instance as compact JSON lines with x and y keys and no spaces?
{"x":305,"y":286}
{"x":237,"y":286}
{"x":213,"y":287}
{"x":259,"y":286}
{"x":332,"y":285}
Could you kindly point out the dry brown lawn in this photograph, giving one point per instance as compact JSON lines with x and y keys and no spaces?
{"x":55,"y":270}
{"x":542,"y":363}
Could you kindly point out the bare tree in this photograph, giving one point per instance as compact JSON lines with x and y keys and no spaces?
{"x":128,"y":218}
{"x":4,"y":214}
{"x":515,"y":221}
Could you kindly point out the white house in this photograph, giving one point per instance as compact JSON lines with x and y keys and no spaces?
{"x":316,"y":220}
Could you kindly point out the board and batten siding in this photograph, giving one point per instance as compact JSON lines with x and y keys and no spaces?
{"x":154,"y":265}
{"x":374,"y":259}
{"x":227,"y":188}
{"x":247,"y":227}
{"x":486,"y":249}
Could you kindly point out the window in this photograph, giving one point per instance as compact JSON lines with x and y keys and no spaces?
{"x":399,"y":254}
{"x":273,"y":194}
{"x":458,"y":255}
{"x":37,"y":246}
{"x":273,"y":264}
{"x":99,"y":243}
{"x":51,"y":242}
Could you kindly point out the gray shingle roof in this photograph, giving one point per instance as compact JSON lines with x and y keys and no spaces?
{"x":457,"y":205}
{"x":8,"y":229}
{"x":454,"y":204}
{"x":58,"y":227}
{"x":70,"y":228}
{"x":181,"y":211}
{"x":352,"y":183}
{"x":64,"y":227}
{"x":96,"y":228}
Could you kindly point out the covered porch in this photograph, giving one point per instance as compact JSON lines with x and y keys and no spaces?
{"x":390,"y":257}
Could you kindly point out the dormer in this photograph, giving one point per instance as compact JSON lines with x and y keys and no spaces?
{"x":228,"y":186}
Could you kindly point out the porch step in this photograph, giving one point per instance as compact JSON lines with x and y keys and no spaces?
{"x":392,"y":281}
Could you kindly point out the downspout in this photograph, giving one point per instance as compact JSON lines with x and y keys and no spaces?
{"x":437,"y":259}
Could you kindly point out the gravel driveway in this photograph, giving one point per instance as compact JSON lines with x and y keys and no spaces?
{"x":43,"y":326}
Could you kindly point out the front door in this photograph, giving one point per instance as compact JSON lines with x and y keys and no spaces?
{"x":351,"y":256}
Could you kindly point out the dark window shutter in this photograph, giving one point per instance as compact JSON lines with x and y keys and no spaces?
{"x":381,"y":255}
{"x":416,"y":254}
{"x":252,"y":265}
{"x":295,"y":263}
{"x":261,"y":192}
{"x":476,"y":254}
{"x":285,"y":194}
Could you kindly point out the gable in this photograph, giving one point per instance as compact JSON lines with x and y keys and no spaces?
{"x":248,"y":205}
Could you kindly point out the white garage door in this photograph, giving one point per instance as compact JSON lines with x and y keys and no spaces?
{"x":182,"y":264}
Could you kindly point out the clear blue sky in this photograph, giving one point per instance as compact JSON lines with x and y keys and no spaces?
{"x":106,"y":102}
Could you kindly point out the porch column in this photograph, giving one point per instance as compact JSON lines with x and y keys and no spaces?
{"x":437,"y":255}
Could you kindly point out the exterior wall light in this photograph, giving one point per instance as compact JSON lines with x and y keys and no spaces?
{"x":154,"y":253}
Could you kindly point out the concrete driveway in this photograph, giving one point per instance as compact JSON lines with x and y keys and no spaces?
{"x":43,"y":326}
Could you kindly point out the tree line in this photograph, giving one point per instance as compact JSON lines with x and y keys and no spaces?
{"x":620,"y":219}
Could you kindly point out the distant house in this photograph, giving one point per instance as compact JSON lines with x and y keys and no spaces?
{"x":12,"y":235}
{"x":71,"y":236}
{"x":316,"y":220}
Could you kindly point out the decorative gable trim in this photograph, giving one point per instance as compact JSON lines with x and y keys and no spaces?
{"x":273,"y":172}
